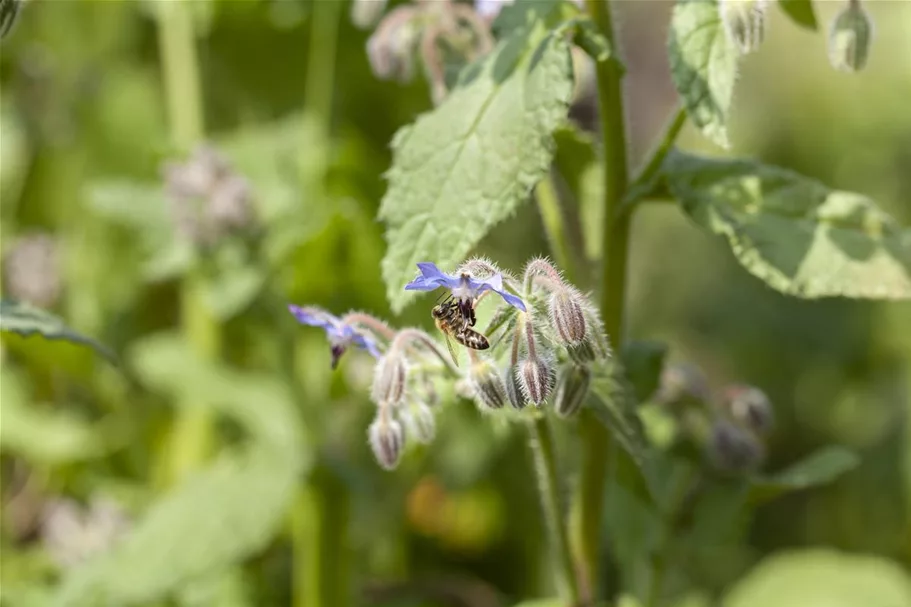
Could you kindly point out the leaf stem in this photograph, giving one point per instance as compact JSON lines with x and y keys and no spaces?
{"x":193,"y":432}
{"x":642,"y":184}
{"x":615,"y":234}
{"x":542,"y":447}
{"x":554,"y":224}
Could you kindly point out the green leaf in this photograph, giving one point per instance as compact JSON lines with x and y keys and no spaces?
{"x":644,"y":361}
{"x":822,"y":577}
{"x":469,"y":164}
{"x":614,"y":404}
{"x":234,"y":290}
{"x":42,"y":435}
{"x":819,"y":468}
{"x":703,"y":66}
{"x":801,"y":12}
{"x":577,"y":164}
{"x":794,"y":233}
{"x":220,"y":515}
{"x":26,"y":320}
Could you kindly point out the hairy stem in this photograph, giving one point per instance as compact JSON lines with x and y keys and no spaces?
{"x":406,"y":336}
{"x":554,"y":224}
{"x":596,"y":439}
{"x":542,"y":447}
{"x":193,"y":431}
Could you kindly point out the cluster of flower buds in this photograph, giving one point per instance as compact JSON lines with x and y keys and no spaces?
{"x":439,"y":32}
{"x":32,"y":270}
{"x":731,"y":430}
{"x":208,"y":198}
{"x":744,"y":22}
{"x":849,"y":38}
{"x":541,"y":343}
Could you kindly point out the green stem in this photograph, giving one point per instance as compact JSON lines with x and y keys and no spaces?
{"x":615,"y":235}
{"x":554,"y":224}
{"x":193,"y":432}
{"x":542,"y":446}
{"x":642,"y":184}
{"x":670,"y":523}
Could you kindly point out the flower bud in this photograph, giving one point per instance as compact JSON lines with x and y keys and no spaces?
{"x":567,"y":316}
{"x":536,"y":379}
{"x":682,"y":384}
{"x":849,"y":38}
{"x":389,"y":379}
{"x":391,"y":48}
{"x":749,"y":407}
{"x":514,"y":392}
{"x":489,"y":389}
{"x":32,"y":270}
{"x":572,"y":388}
{"x":387,"y":438}
{"x":420,"y":422}
{"x":744,"y":22}
{"x":734,"y":449}
{"x":582,"y":353}
{"x":365,"y":13}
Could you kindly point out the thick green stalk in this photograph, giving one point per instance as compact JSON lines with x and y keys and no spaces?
{"x":542,"y":446}
{"x":615,"y":234}
{"x":320,"y":517}
{"x":193,"y":432}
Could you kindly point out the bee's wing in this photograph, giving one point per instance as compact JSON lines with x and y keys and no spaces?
{"x":452,"y":350}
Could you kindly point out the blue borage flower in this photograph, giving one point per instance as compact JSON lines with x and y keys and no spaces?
{"x":465,"y":288}
{"x":340,"y":334}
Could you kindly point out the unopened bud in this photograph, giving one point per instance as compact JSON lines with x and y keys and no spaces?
{"x":420,"y":422}
{"x":365,"y":13}
{"x":489,"y":389}
{"x":682,"y":384}
{"x":536,"y":379}
{"x":387,"y":439}
{"x":572,"y":388}
{"x":582,"y":353}
{"x":749,"y":407}
{"x":744,"y":22}
{"x":389,"y":379}
{"x":733,"y":448}
{"x":391,"y":48}
{"x":849,"y":38}
{"x":567,"y":316}
{"x":514,"y":392}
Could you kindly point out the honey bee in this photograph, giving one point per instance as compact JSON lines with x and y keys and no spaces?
{"x":456,"y":321}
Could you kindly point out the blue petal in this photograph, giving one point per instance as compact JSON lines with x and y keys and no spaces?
{"x":495,"y":283}
{"x":431,"y":278}
{"x":512,"y":300}
{"x":367,"y":344}
{"x":321,"y":319}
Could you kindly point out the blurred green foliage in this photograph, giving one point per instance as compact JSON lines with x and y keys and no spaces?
{"x":282,"y":489}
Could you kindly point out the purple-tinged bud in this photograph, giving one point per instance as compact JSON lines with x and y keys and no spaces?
{"x":749,"y":407}
{"x":32,"y":270}
{"x":420,"y":422}
{"x":514,"y":393}
{"x":849,"y":38}
{"x":572,"y":388}
{"x":365,"y":13}
{"x":567,"y":316}
{"x":744,"y":22}
{"x":389,"y":379}
{"x":537,"y":377}
{"x":387,"y":439}
{"x":732,"y":448}
{"x":489,"y":389}
{"x":392,"y":46}
{"x":682,"y":384}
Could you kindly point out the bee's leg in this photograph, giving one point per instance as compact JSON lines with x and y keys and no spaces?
{"x":466,"y":311}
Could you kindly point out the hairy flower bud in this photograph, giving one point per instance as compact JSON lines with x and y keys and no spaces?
{"x":567,"y":317}
{"x":749,"y":407}
{"x":489,"y":389}
{"x":744,"y":22}
{"x":514,"y":392}
{"x":732,"y":448}
{"x":536,"y":379}
{"x":420,"y":422}
{"x":387,"y":439}
{"x":32,"y":270}
{"x":389,"y":379}
{"x":391,"y":48}
{"x":365,"y":13}
{"x":849,"y":38}
{"x":682,"y":384}
{"x":572,"y":388}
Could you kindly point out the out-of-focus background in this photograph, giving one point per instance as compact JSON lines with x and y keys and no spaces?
{"x":85,"y":134}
